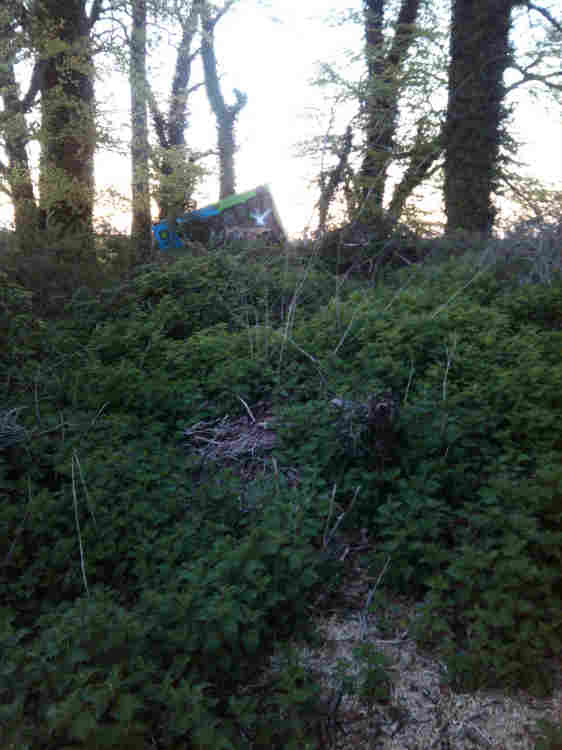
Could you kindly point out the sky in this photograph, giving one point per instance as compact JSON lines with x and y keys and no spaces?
{"x":271,"y":50}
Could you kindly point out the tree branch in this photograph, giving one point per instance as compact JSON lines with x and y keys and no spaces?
{"x":158,"y":119}
{"x":526,"y":77}
{"x":95,"y":13}
{"x":336,"y":176}
{"x":212,"y":21}
{"x":34,"y":86}
{"x":180,"y":92}
{"x":241,"y":101}
{"x":424,"y":153}
{"x":545,"y":13}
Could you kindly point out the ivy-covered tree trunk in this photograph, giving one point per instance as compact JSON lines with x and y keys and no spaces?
{"x":68,"y":128}
{"x":177,"y":172}
{"x":225,"y":114}
{"x":15,"y":138}
{"x":383,"y":92}
{"x":425,"y":152}
{"x":333,"y":178}
{"x":480,"y":53}
{"x":141,"y":227}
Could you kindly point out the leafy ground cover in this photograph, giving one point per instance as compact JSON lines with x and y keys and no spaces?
{"x":185,"y":450}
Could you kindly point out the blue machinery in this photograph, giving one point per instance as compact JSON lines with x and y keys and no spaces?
{"x":250,"y":215}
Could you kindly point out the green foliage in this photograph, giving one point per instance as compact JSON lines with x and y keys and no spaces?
{"x":76,"y":682}
{"x":374,"y":680}
{"x":551,"y":738}
{"x":498,"y":601}
{"x":20,"y":331}
{"x":173,"y":663}
{"x":143,"y":588}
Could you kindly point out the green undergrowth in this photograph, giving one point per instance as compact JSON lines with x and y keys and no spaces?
{"x":142,"y":594}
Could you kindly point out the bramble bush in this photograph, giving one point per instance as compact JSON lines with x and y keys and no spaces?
{"x":480,"y":388}
{"x":142,"y":596}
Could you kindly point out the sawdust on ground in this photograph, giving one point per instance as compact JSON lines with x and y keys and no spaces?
{"x":422,"y":712}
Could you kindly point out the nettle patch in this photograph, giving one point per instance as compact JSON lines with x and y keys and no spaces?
{"x":197,"y":463}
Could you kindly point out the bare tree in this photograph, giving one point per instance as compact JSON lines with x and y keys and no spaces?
{"x":225,"y":114}
{"x":175,"y":165}
{"x":383,"y":94}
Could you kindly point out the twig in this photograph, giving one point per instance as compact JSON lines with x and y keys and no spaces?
{"x":247,"y":409}
{"x":410,"y":377}
{"x":450,"y":356}
{"x":82,"y":564}
{"x":346,"y":332}
{"x":99,"y":413}
{"x":456,"y":294}
{"x":329,"y":537}
{"x":21,"y":527}
{"x":363,"y":617}
{"x":90,"y":506}
{"x":329,"y":517}
{"x":310,"y":357}
{"x":37,"y":410}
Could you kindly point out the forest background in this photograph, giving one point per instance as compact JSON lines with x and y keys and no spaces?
{"x":180,"y":98}
{"x":206,"y":456}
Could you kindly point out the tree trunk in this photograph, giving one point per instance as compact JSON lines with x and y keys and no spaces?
{"x":333,"y":179}
{"x":480,"y":53}
{"x":68,"y":129}
{"x":226,"y":115}
{"x":16,"y":137}
{"x":177,"y":172}
{"x":381,"y":106}
{"x":425,"y":152}
{"x":141,"y":227}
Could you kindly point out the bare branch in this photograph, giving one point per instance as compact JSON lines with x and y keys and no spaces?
{"x":211,"y":22}
{"x":336,"y":176}
{"x":34,"y":86}
{"x":545,"y":13}
{"x":110,"y":32}
{"x":526,"y":77}
{"x":95,"y":13}
{"x":423,"y":155}
{"x":4,"y":173}
{"x":178,"y":104}
{"x":194,"y":88}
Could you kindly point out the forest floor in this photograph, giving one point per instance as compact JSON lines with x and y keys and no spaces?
{"x":420,"y":711}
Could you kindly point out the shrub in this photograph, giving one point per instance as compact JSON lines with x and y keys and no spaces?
{"x":498,"y":601}
{"x":175,"y":666}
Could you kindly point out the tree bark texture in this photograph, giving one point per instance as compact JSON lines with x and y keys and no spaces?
{"x":480,"y":54}
{"x":425,"y":153}
{"x":141,"y":227}
{"x":15,"y":137}
{"x":335,"y":177}
{"x":381,"y":106}
{"x":176,"y":170}
{"x":68,"y":129}
{"x":226,"y":115}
